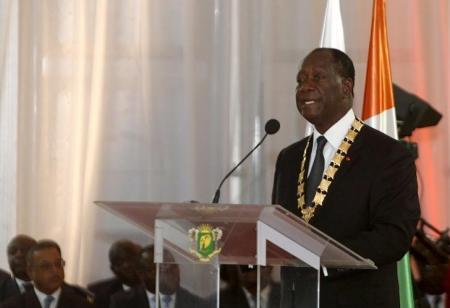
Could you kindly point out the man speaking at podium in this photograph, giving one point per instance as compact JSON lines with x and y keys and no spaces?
{"x":352,"y":182}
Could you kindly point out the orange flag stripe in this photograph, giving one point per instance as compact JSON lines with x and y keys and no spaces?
{"x":378,"y":94}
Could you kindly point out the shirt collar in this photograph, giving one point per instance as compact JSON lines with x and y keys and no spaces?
{"x":172,"y":298}
{"x":41,"y":296}
{"x":21,"y":283}
{"x":249,"y":296}
{"x":152,"y":297}
{"x":336,"y":133}
{"x":125,"y":287}
{"x":265,"y":293}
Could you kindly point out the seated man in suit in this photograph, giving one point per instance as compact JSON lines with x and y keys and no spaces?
{"x":7,"y":285}
{"x":17,"y":251}
{"x":45,"y":267}
{"x":171,"y":294}
{"x":243,"y":293}
{"x":123,"y":257}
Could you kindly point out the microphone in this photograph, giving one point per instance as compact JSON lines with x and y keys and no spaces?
{"x":272,"y":126}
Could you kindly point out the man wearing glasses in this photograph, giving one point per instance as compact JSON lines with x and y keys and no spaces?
{"x":45,"y":267}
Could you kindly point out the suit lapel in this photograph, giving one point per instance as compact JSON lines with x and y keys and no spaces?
{"x":352,"y":157}
{"x":142,"y":298}
{"x":16,"y":287}
{"x":31,"y":300}
{"x":308,"y":158}
{"x":63,"y":300}
{"x":294,"y":167}
{"x":179,"y":298}
{"x":289,"y":172}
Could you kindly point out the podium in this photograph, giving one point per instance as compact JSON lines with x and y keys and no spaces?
{"x":201,"y":237}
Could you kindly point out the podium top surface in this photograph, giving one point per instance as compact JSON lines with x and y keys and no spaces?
{"x":238,"y":225}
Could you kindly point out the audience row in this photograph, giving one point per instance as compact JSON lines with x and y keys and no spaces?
{"x":37,"y":281}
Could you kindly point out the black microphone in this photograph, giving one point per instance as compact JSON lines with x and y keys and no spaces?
{"x":272,"y":126}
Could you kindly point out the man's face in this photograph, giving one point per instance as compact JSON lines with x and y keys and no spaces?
{"x":321,"y":94}
{"x":169,"y":279}
{"x":17,"y":251}
{"x":147,"y":271}
{"x":47,"y":270}
{"x":250,"y":278}
{"x":124,"y":266}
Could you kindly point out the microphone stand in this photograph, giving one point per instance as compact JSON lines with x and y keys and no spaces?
{"x":217,"y":194}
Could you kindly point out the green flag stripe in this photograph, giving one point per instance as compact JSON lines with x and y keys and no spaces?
{"x":405,"y":283}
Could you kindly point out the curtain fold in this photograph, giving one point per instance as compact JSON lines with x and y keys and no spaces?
{"x":9,"y":28}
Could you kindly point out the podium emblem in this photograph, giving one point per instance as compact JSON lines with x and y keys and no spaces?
{"x":204,"y":241}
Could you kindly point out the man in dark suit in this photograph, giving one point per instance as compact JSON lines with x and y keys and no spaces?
{"x":123,"y":257}
{"x":361,"y":190}
{"x":45,"y":267}
{"x":171,"y":294}
{"x":7,"y":286}
{"x":17,"y":251}
{"x":67,"y":299}
{"x":243,"y":293}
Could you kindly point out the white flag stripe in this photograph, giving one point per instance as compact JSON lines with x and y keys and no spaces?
{"x":332,"y":35}
{"x":385,"y":122}
{"x":332,"y":30}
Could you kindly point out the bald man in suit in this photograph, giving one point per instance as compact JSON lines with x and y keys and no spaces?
{"x":350,"y":181}
{"x":123,"y":257}
{"x":17,"y":251}
{"x":171,"y":293}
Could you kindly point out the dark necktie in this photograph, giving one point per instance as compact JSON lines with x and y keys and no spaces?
{"x":316,"y":174}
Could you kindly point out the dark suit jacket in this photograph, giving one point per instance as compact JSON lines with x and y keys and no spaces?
{"x":67,"y":299}
{"x":137,"y":298}
{"x":8,"y":287}
{"x":371,"y":207}
{"x":103,"y":290}
{"x":235,"y":297}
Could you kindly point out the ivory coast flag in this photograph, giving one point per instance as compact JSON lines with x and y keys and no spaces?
{"x":379,"y":112}
{"x":332,"y":35}
{"x":379,"y":108}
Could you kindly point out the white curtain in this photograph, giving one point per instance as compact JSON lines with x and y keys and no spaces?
{"x":156,"y":100}
{"x":8,"y":122}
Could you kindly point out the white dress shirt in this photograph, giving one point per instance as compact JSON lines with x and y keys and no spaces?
{"x":334,"y":135}
{"x":263,"y":300}
{"x":125,"y":287}
{"x":41,"y":297}
{"x":21,"y":284}
{"x":152,"y":299}
{"x":172,"y":300}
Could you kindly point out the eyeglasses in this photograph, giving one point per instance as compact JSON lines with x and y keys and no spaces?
{"x":47,"y":266}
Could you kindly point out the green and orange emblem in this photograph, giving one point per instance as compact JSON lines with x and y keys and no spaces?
{"x":204,"y":241}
